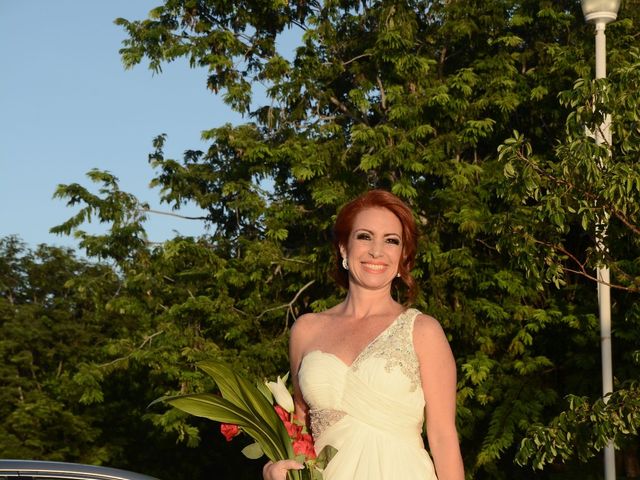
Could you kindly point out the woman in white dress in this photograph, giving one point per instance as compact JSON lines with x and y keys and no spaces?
{"x":368,"y":372}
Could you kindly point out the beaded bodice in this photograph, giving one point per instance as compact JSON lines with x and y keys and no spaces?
{"x":395,"y":346}
{"x":383,"y":378}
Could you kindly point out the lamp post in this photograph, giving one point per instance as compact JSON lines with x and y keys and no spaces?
{"x":601,"y":12}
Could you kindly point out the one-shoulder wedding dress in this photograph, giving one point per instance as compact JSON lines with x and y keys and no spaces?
{"x":371,"y":411}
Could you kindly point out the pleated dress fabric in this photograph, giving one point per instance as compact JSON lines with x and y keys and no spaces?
{"x":371,"y":411}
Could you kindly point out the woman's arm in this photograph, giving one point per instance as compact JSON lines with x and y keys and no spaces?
{"x":300,"y":332}
{"x":438,"y":375}
{"x":297,"y":339}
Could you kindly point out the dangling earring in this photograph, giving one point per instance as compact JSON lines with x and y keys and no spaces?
{"x":345,"y":264}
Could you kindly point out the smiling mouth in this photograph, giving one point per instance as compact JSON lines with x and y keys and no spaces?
{"x":374,"y":266}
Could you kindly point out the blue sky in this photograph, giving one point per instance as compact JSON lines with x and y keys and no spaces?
{"x":67,"y":105}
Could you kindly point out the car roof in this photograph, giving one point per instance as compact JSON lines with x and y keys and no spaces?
{"x":48,"y":469}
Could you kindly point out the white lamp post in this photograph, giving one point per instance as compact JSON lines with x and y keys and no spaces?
{"x":601,"y":12}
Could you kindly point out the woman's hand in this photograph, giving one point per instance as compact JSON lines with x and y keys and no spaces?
{"x":278,"y":470}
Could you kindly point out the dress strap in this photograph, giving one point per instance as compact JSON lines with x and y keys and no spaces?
{"x":395,"y":346}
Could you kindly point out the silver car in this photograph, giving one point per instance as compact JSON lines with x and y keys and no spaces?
{"x":37,"y":470}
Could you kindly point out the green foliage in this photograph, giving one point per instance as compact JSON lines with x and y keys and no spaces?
{"x":46,"y":330}
{"x":583,"y":186}
{"x":74,"y":384}
{"x":584,"y":428}
{"x":119,"y":209}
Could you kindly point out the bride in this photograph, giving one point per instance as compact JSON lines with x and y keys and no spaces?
{"x":368,"y":372}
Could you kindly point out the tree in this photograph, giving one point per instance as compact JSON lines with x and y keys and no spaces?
{"x":570,"y":198}
{"x":62,"y":395}
{"x":46,"y":332}
{"x":421,"y":98}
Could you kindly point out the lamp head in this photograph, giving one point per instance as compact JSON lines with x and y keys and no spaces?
{"x":600,"y":11}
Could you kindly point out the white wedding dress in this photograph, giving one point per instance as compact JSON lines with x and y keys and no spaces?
{"x":371,"y":411}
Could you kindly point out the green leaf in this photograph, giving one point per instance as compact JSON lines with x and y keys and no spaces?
{"x":325,"y":456}
{"x":253,"y":451}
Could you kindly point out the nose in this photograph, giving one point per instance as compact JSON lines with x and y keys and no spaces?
{"x":375,"y":250}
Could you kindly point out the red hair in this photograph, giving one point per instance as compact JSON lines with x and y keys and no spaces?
{"x":378,"y":199}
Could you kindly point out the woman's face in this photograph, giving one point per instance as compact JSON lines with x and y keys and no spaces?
{"x":374,"y":248}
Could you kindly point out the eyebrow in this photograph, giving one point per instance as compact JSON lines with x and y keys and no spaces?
{"x":385,"y":235}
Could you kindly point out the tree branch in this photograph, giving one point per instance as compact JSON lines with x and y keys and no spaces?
{"x":582,"y":268}
{"x":146,"y":340}
{"x":171,"y":214}
{"x":288,"y":306}
{"x":383,"y":97}
{"x":571,"y":186}
{"x":356,"y":58}
{"x":344,"y":109}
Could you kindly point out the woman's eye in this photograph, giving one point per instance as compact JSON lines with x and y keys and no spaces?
{"x":394,"y":241}
{"x":363,"y":236}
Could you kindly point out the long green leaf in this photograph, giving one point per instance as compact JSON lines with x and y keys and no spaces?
{"x":263,"y":409}
{"x":219,"y":409}
{"x":238,"y":390}
{"x":226,"y":380}
{"x":241,"y":403}
{"x":212,"y":407}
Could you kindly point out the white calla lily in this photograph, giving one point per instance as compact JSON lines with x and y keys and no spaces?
{"x":281,"y":394}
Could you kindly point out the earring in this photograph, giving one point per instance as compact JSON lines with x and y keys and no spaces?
{"x":345,"y":264}
{"x":398,"y":275}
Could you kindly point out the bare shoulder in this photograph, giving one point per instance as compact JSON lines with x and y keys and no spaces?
{"x":427,"y":326}
{"x":305,"y":323}
{"x":312,"y":322}
{"x":428,"y":335}
{"x":305,"y":328}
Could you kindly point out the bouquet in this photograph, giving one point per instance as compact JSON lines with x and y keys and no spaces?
{"x":264,"y":412}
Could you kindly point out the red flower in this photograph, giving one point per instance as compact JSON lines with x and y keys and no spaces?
{"x":303,"y":445}
{"x":302,"y":442}
{"x":282,"y":413}
{"x":229,"y":430}
{"x":293,"y":429}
